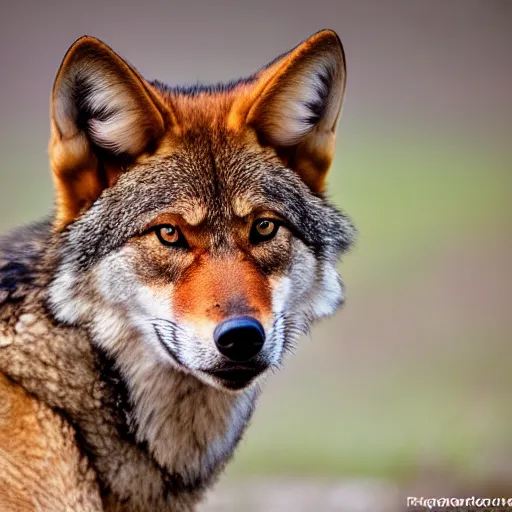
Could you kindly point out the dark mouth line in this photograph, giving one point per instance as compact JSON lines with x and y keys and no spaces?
{"x":236,"y":371}
{"x":236,"y":376}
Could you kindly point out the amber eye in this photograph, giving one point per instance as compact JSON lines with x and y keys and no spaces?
{"x":262,"y":230}
{"x":170,"y":235}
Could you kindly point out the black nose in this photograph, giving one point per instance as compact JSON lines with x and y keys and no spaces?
{"x":239,"y":339}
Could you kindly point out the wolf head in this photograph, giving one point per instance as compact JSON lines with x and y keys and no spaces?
{"x":192,"y":225}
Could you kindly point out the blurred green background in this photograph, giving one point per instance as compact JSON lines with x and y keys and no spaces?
{"x":408,"y":387}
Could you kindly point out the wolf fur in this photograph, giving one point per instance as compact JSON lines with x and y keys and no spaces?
{"x":110,"y":395}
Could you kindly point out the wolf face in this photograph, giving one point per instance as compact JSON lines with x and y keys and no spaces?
{"x":192,"y":228}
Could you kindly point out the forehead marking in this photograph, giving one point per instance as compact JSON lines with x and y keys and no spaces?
{"x":193,"y":212}
{"x":242,"y":206}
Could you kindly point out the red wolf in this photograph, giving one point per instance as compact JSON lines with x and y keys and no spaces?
{"x":190,"y":247}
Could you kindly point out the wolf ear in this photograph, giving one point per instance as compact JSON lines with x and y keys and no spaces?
{"x":104,"y":114}
{"x":295,"y":104}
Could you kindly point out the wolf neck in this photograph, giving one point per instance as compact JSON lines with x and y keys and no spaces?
{"x":190,"y":429}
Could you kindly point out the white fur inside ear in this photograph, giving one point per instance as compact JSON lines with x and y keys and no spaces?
{"x":106,"y":104}
{"x":301,"y":100}
{"x":117,"y":124}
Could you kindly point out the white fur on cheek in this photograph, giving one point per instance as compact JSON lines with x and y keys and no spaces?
{"x":330,"y":292}
{"x":125,"y":297}
{"x":62,"y":297}
{"x":313,"y":290}
{"x":281,"y":289}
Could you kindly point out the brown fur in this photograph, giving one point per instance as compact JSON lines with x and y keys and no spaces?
{"x":41,"y":467}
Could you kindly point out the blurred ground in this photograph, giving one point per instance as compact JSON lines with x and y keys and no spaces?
{"x":298,"y":495}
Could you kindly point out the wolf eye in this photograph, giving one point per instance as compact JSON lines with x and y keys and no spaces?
{"x":170,"y":235}
{"x":263,"y":230}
